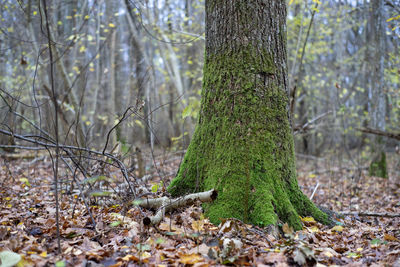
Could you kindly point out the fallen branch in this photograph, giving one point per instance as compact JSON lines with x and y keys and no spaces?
{"x":334,"y":170}
{"x":379,"y":132}
{"x":14,"y":156}
{"x":165,"y":204}
{"x":373,"y":214}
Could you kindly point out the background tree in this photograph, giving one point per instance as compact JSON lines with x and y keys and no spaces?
{"x":243,"y":143}
{"x":327,"y":44}
{"x":375,"y":58}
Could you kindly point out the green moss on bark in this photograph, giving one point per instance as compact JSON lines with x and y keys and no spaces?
{"x":378,"y":166}
{"x":243,"y":144}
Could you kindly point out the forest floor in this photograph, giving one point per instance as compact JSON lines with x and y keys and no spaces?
{"x":28,"y":224}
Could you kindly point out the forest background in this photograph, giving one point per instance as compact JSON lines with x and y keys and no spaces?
{"x":148,"y":55}
{"x":126,"y":79}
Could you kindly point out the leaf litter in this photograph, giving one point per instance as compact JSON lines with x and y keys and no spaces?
{"x":186,"y":237}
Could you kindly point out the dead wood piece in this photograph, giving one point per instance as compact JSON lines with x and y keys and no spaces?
{"x":14,"y":156}
{"x":342,"y":169}
{"x":373,"y":214}
{"x":165,"y":204}
{"x":379,"y":132}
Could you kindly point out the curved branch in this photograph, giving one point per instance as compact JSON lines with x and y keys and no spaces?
{"x":165,"y":204}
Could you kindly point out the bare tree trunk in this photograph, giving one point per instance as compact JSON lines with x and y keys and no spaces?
{"x":112,"y":91}
{"x":376,"y":45}
{"x":96,"y":88}
{"x":142,"y":70}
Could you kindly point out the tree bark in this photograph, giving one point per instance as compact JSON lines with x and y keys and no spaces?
{"x":376,"y":43}
{"x":243,"y":143}
{"x":142,"y":70}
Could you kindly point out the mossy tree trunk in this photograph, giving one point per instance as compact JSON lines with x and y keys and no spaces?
{"x":243,"y":143}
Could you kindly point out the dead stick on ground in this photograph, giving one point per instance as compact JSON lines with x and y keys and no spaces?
{"x":165,"y":204}
{"x":315,"y":190}
{"x":374,"y":214}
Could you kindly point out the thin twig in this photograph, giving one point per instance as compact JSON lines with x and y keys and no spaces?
{"x":65,"y":148}
{"x":373,"y":214}
{"x":54,"y":98}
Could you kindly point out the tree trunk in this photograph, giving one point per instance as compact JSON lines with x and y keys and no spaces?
{"x":243,"y":143}
{"x":376,"y":59}
{"x":142,"y":72}
{"x":112,"y":93}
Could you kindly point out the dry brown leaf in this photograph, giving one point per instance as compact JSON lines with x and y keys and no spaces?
{"x":388,"y":237}
{"x":337,"y":228}
{"x":201,"y":249}
{"x":274,"y":258}
{"x":130,"y":257}
{"x":190,"y":258}
{"x":287,"y":229}
{"x":198,"y":225}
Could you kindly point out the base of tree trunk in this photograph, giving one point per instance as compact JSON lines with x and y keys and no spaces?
{"x":268,"y":206}
{"x":262,"y":199}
